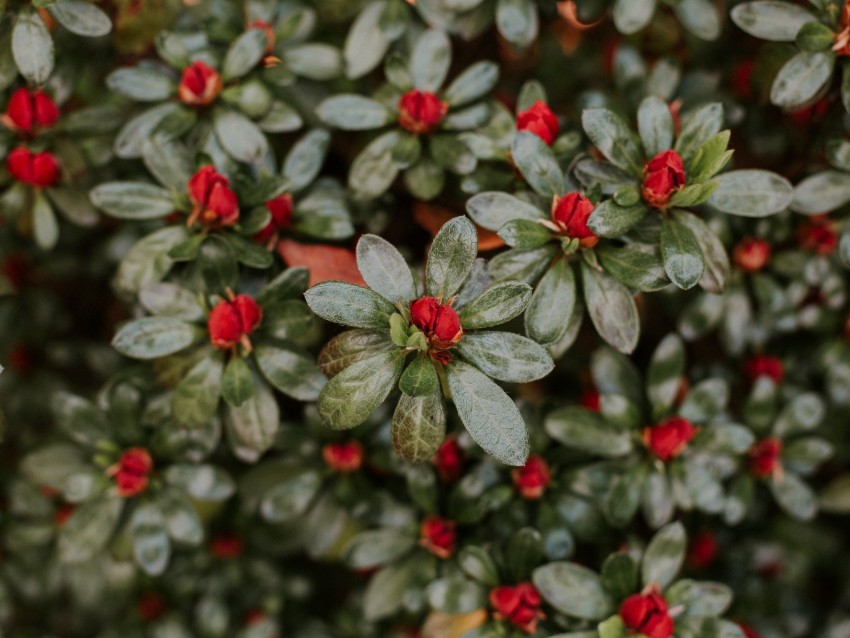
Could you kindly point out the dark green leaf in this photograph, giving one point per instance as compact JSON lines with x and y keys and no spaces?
{"x":497,"y":304}
{"x":418,"y":426}
{"x":350,"y":305}
{"x":450,"y":258}
{"x":154,"y":337}
{"x":573,"y":590}
{"x":505,"y":356}
{"x":551,"y":306}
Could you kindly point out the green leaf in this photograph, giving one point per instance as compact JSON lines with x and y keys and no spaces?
{"x":835,"y":497}
{"x":450,"y":259}
{"x":239,"y":136}
{"x":478,"y":565}
{"x":425,"y":179}
{"x":665,"y":374}
{"x":304,"y":161}
{"x":752,"y":193}
{"x":664,"y":556}
{"x":366,"y":42}
{"x":776,"y":20}
{"x":377,"y":547}
{"x":801,"y":79}
{"x":45,"y":227}
{"x":280,"y":118}
{"x":349,"y":305}
{"x":352,"y":395}
{"x":290,"y":498}
{"x":522,"y":265}
{"x":655,"y":125}
{"x":351,"y":112}
{"x":698,"y":126}
{"x":630,"y":16}
{"x":81,"y":18}
{"x":716,"y":272}
{"x":612,"y":627}
{"x":32,"y":47}
{"x":497,"y":304}
{"x":814,"y":36}
{"x":168,"y":161}
{"x":154,"y":337}
{"x":505,"y":356}
{"x":350,"y":347}
{"x":620,"y":575}
{"x":206,"y":483}
{"x":430,"y":60}
{"x":418,"y":426}
{"x":384,"y":269}
{"x":489,"y":415}
{"x":151,"y":547}
{"x":635,"y":266}
{"x":794,"y":496}
{"x":89,"y":529}
{"x":237,"y":384}
{"x":525,"y":234}
{"x":492,"y":210}
{"x":614,"y":139}
{"x":683,"y":260}
{"x":551,"y":306}
{"x":612,"y":309}
{"x":587,"y":431}
{"x":181,"y":518}
{"x":710,"y":158}
{"x":822,"y":192}
{"x":450,"y":152}
{"x":373,"y":170}
{"x":290,"y":369}
{"x":141,"y":83}
{"x":419,"y":379}
{"x":517,"y":21}
{"x":700,"y":598}
{"x":253,"y":426}
{"x":172,"y":300}
{"x":244,"y":54}
{"x":475,"y":82}
{"x":132,"y":200}
{"x":314,"y":61}
{"x":387,"y":589}
{"x":133,"y":135}
{"x":536,"y":161}
{"x":573,"y":590}
{"x":700,"y":17}
{"x":609,"y":219}
{"x":657,"y":499}
{"x":803,"y":413}
{"x":195,"y":399}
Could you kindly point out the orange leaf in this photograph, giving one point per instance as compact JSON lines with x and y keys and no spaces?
{"x":432,"y":218}
{"x":325,"y":262}
{"x":440,"y":625}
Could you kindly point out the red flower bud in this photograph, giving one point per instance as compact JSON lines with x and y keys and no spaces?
{"x":702,"y":550}
{"x":230,"y":322}
{"x":344,"y":457}
{"x":742,"y":79}
{"x":17,"y":269}
{"x":668,"y":439}
{"x":150,"y":606}
{"x":20,"y":358}
{"x":280,"y":209}
{"x":449,"y":460}
{"x":200,"y":84}
{"x":439,"y":322}
{"x":438,"y":536}
{"x":765,"y":457}
{"x":215,"y":204}
{"x":570,"y":214}
{"x":749,"y":632}
{"x":268,"y":29}
{"x":63,"y":513}
{"x":30,"y":110}
{"x":131,"y":471}
{"x":518,"y":605}
{"x":36,"y":169}
{"x":647,"y":614}
{"x":540,"y":120}
{"x":227,"y":546}
{"x":421,"y":111}
{"x":663,"y":175}
{"x":590,"y":400}
{"x":818,"y":236}
{"x":762,"y":365}
{"x":751,"y":254}
{"x":532,"y":479}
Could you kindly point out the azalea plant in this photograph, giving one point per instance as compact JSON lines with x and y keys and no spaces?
{"x":432,"y":319}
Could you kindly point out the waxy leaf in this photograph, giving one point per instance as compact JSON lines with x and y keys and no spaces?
{"x":450,"y":259}
{"x":505,"y":356}
{"x":418,"y":426}
{"x":573,"y":590}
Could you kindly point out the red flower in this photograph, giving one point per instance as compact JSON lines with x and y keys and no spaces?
{"x":421,"y":111}
{"x":131,"y":471}
{"x":344,"y":457}
{"x":227,"y":546}
{"x":438,"y":536}
{"x":280,"y":209}
{"x":214,"y":203}
{"x":647,"y":614}
{"x":749,"y":632}
{"x":742,"y":79}
{"x":63,"y":513}
{"x":449,"y":460}
{"x":200,"y":84}
{"x":540,"y":120}
{"x":702,"y":550}
{"x":590,"y":400}
{"x":663,"y":175}
{"x":818,"y":236}
{"x":803,"y":117}
{"x":268,"y":29}
{"x":751,"y":254}
{"x":438,"y":321}
{"x":532,"y":478}
{"x":518,"y":605}
{"x":230,"y":322}
{"x":29,"y":111}
{"x":36,"y":169}
{"x":765,"y":457}
{"x":150,"y":606}
{"x":570,"y":214}
{"x":761,"y":365}
{"x":669,"y":438}
{"x":20,"y":358}
{"x":17,"y":269}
